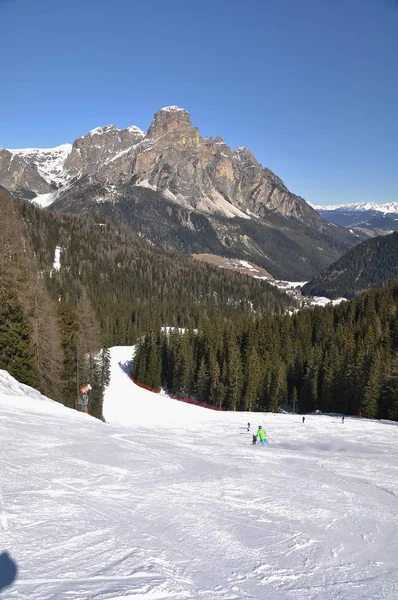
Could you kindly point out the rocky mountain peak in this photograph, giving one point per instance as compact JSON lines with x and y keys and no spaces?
{"x":245,"y":155}
{"x":168,"y":119}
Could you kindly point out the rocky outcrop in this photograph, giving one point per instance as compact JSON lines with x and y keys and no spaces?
{"x":170,"y":118}
{"x":105,"y":151}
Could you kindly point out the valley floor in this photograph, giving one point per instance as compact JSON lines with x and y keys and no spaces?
{"x":172,"y":501}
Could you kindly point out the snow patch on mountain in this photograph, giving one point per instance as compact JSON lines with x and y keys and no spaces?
{"x":57,"y":259}
{"x":135,"y":129}
{"x":107,"y":128}
{"x":172,"y":109}
{"x":101,"y":130}
{"x":44,"y":200}
{"x":49,"y":161}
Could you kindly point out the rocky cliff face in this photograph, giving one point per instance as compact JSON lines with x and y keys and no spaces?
{"x":207,"y":175}
{"x":105,"y":151}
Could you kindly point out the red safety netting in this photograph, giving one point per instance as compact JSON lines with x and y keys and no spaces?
{"x":179,"y":398}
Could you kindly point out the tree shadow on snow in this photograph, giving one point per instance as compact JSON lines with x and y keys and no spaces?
{"x":126,"y":366}
{"x":8,"y":570}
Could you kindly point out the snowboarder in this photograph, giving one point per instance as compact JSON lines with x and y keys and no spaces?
{"x":303,"y":419}
{"x":262,"y":435}
{"x":248,"y":427}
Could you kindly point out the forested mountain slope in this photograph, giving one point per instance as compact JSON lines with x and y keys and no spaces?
{"x":369,"y":265}
{"x":285,"y":246}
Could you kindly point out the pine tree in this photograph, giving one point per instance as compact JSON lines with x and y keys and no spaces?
{"x":278,"y":392}
{"x":309,"y":392}
{"x":294,"y":399}
{"x":372,"y":388}
{"x":202,"y":381}
{"x":153,"y":376}
{"x":234,"y":375}
{"x":17,"y":354}
{"x":46,"y":339}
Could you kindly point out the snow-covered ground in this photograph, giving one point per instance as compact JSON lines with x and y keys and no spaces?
{"x":323,"y":301}
{"x":171,"y":501}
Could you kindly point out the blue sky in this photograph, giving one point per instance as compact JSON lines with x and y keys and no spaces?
{"x":310,"y":86}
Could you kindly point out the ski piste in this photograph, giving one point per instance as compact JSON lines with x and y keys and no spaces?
{"x":169,"y":501}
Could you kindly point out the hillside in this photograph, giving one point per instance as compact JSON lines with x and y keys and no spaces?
{"x":158,"y":505}
{"x":369,"y":265}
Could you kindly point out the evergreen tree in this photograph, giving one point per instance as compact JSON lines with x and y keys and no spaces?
{"x":309,"y":392}
{"x":294,"y":399}
{"x":372,"y":388}
{"x":202,"y":381}
{"x":17,"y":354}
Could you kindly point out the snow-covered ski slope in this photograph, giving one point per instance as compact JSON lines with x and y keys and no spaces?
{"x":171,"y":501}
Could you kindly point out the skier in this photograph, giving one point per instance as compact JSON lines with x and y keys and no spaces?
{"x":254,"y":440}
{"x":248,"y":427}
{"x":262,"y":435}
{"x":303,"y":419}
{"x":342,"y":419}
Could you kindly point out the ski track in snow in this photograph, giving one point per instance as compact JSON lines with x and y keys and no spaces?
{"x":171,"y":501}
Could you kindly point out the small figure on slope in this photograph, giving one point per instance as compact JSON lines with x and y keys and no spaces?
{"x":262,"y":435}
{"x":303,"y":419}
{"x":254,"y":440}
{"x":248,"y":427}
{"x":342,"y":419}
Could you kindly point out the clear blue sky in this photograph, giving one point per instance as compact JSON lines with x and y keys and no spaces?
{"x":310,"y":86}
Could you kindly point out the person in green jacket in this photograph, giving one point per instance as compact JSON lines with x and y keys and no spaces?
{"x":262,"y":435}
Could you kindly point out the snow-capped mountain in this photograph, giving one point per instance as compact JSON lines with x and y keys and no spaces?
{"x":389,"y":207}
{"x":370,"y":218}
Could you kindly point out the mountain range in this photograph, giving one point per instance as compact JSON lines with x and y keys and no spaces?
{"x":366,"y":218}
{"x":183,"y":192}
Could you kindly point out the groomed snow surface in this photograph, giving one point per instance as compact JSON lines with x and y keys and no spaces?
{"x":172,"y":501}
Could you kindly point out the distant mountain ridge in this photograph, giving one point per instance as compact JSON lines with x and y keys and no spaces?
{"x":185,"y":193}
{"x":388,"y":207}
{"x":365,"y":219}
{"x":368,"y":265}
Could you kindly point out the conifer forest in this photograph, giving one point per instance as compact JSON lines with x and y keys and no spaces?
{"x":334,"y":359}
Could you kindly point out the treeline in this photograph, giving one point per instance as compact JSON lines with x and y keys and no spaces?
{"x":369,"y":265}
{"x":111,"y":287}
{"x":334,"y":359}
